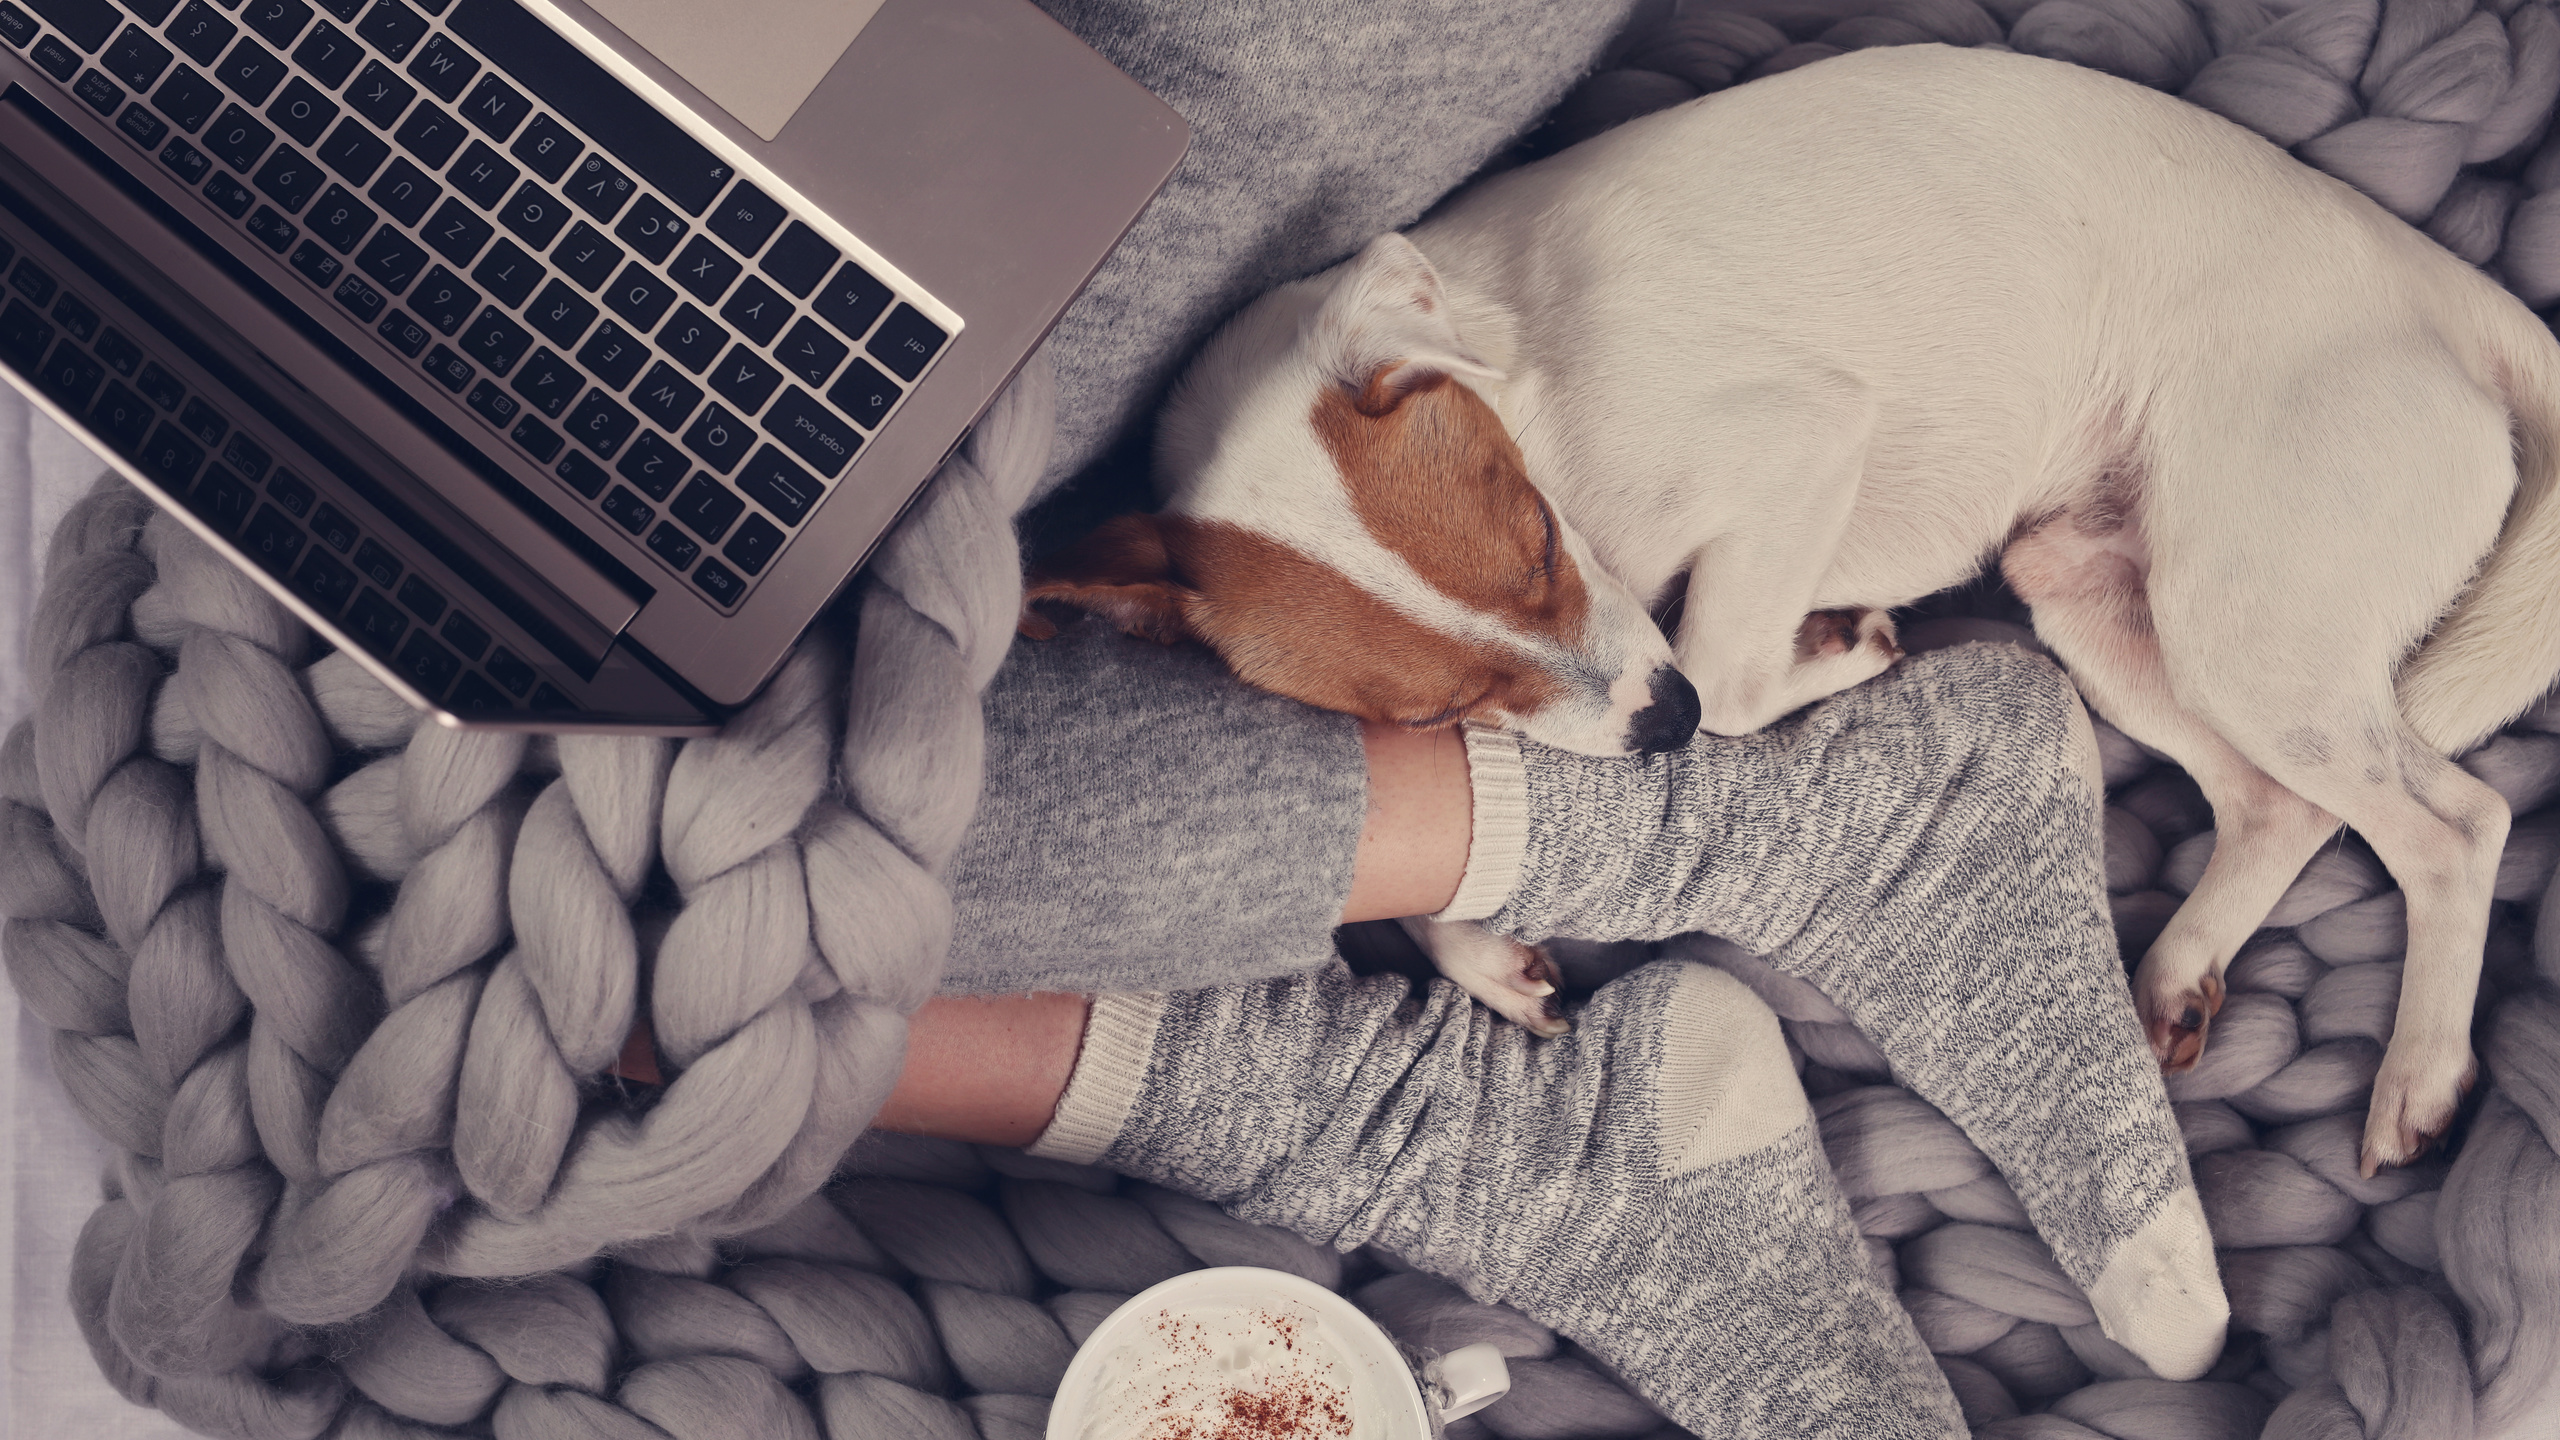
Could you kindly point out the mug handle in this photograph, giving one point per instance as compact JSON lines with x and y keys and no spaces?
{"x":1469,"y":1378}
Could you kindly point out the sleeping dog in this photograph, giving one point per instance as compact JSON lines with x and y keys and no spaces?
{"x":2274,"y":472}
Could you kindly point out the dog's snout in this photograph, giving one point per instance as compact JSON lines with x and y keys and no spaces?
{"x":1670,"y":720}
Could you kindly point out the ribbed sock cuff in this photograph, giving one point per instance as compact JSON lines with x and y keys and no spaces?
{"x":1119,"y":1040}
{"x":1500,"y":831}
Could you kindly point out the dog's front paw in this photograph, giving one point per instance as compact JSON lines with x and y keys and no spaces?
{"x":2414,"y":1097}
{"x":2176,"y":1016}
{"x":1516,"y":981}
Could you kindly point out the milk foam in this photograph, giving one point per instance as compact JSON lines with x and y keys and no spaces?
{"x":1270,"y":1370}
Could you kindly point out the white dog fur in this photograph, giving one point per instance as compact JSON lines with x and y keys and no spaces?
{"x":2273,"y":470}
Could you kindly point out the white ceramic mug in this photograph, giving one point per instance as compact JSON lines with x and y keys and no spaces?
{"x":1387,"y":1394}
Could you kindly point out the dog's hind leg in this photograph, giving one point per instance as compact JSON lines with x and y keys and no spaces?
{"x":2091,"y":605}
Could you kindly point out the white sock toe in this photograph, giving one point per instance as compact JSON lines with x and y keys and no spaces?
{"x":2161,"y":1295}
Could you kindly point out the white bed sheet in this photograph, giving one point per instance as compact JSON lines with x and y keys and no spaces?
{"x":49,"y":1162}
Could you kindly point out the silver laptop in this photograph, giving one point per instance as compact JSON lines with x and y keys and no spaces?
{"x":559,"y":360}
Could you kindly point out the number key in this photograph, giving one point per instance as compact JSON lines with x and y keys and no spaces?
{"x":442,"y":300}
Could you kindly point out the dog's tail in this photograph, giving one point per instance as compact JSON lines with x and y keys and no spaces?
{"x":2498,"y":650}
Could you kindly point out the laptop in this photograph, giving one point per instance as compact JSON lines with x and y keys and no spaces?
{"x":559,"y":360}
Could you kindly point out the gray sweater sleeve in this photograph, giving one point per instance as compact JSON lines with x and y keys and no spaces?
{"x":1150,"y":823}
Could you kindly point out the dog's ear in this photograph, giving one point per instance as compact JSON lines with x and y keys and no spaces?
{"x":1123,"y":572}
{"x":1386,"y":330}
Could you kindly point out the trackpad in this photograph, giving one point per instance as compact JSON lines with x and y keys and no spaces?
{"x":757,"y":59}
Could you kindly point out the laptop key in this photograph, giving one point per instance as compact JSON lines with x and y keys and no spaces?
{"x":674,"y":546}
{"x":456,"y":233}
{"x":599,"y":189}
{"x":719,"y":582}
{"x":705,"y":269}
{"x":333,"y":528}
{"x":497,"y":341}
{"x":98,"y":92}
{"x":812,"y":432}
{"x":799,"y":259}
{"x":493,"y":404}
{"x":639,"y":297}
{"x":16,"y":26}
{"x":237,"y":139}
{"x":779,"y":486}
{"x":277,"y":21}
{"x":190,"y":163}
{"x":303,"y":111}
{"x":427,"y":665}
{"x":496,"y":107}
{"x":316,"y":265}
{"x":582,"y":474}
{"x":402,"y":333}
{"x":246,"y":456}
{"x":744,"y":379}
{"x":392,"y":258}
{"x":600,"y":425}
{"x":223,"y":500}
{"x":225,"y":193}
{"x":422,"y":599}
{"x":250,"y":71}
{"x":122,"y":355}
{"x":405,"y":191}
{"x":71,"y":376}
{"x":906,"y":341}
{"x":707,"y":508}
{"x":141,"y":126}
{"x":172,"y":458}
{"x":376,"y":623}
{"x":361,"y":299}
{"x":187,"y":99}
{"x":507,"y":670}
{"x":289,"y":178}
{"x":546,"y":147}
{"x":272,"y":228}
{"x":810,"y":353}
{"x":628,"y":510}
{"x":758,"y":310}
{"x":29,"y":279}
{"x":483,"y":175}
{"x":431,"y":135}
{"x":157,"y":386}
{"x":201,"y":31}
{"x":653,"y":465}
{"x":666,"y":397}
{"x":653,"y":229}
{"x":534,"y":214}
{"x":753,"y":547}
{"x":464,"y":634}
{"x":719,"y":438}
{"x":354,"y":152}
{"x":443,"y":67}
{"x":203,"y":422}
{"x":586,"y":256}
{"x":75,"y":317}
{"x":692,"y":339}
{"x":450,"y":370}
{"x":87,"y":22}
{"x":324,"y":581}
{"x":329,"y":53}
{"x":392,"y":28}
{"x":548,"y":384}
{"x":272,"y":540}
{"x":561,"y":314}
{"x":746,"y":218}
{"x":151,"y":11}
{"x":538,"y":439}
{"x":442,"y":300}
{"x":135,"y":58}
{"x":291,"y":493}
{"x":339,"y":219}
{"x":379,"y":95}
{"x":508,"y":273}
{"x":55,"y":58}
{"x":122,"y":417}
{"x":613,"y":354}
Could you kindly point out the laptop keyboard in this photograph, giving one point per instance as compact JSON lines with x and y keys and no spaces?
{"x":232,"y":482}
{"x":678,"y":350}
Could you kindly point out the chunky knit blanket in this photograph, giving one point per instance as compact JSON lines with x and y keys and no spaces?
{"x":343,"y":989}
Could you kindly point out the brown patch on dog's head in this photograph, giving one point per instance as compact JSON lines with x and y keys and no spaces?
{"x":1437,"y":480}
{"x":1284,"y":622}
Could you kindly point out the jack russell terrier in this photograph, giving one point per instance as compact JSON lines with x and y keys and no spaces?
{"x":2273,"y":470}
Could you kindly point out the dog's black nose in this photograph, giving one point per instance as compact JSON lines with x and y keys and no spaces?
{"x":1670,"y":720}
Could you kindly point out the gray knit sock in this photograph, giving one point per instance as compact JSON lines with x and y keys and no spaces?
{"x":1651,"y":1185}
{"x":1925,"y":848}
